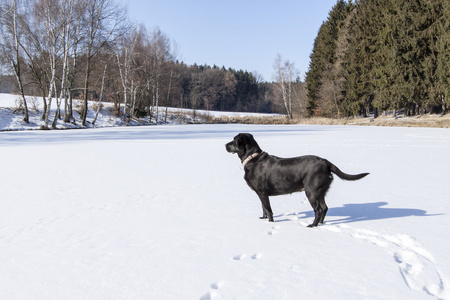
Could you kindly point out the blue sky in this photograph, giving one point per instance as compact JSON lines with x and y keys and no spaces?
{"x":246,"y":34}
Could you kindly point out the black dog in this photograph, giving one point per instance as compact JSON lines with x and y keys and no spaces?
{"x":269,"y":175}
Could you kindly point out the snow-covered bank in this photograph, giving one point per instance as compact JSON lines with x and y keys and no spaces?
{"x":12,"y":120}
{"x":163,"y":212}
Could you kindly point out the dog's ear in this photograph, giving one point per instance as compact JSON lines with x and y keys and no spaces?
{"x":241,"y":141}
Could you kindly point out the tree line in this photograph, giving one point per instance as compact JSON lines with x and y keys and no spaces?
{"x":369,"y":56}
{"x":376,"y":55}
{"x":62,"y":50}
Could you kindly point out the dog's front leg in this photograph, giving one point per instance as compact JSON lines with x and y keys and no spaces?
{"x":267,"y":210}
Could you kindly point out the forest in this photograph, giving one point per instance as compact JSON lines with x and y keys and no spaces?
{"x":62,"y":50}
{"x":369,"y":56}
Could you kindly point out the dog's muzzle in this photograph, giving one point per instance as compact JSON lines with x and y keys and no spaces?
{"x":231,"y":147}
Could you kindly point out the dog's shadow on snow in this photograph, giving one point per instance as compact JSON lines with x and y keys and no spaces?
{"x":362,"y":212}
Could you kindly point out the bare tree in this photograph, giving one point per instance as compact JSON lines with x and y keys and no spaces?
{"x":100,"y":98}
{"x":75,"y":35}
{"x":160,"y":54}
{"x":49,"y":10}
{"x":10,"y":22}
{"x":67,"y":14}
{"x":285,"y":74}
{"x":103,"y":26}
{"x":125,"y":56}
{"x":34,"y":53}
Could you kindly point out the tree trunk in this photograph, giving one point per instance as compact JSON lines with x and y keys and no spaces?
{"x":168,"y":95}
{"x":86,"y":89}
{"x":99,"y":104}
{"x":69,"y":114}
{"x":58,"y":109}
{"x":16,"y":64}
{"x":52,"y":84}
{"x":20,"y":85}
{"x":124,"y":79}
{"x":44,"y":100}
{"x":157,"y":102}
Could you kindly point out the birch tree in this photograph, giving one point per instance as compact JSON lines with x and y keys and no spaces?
{"x":75,"y":35}
{"x":64,"y":17}
{"x":48,"y":22}
{"x":10,"y":22}
{"x":124,"y":56}
{"x":160,"y":53}
{"x":285,"y":74}
{"x":103,"y":25}
{"x":66,"y":14}
{"x":100,"y":98}
{"x":32,"y":46}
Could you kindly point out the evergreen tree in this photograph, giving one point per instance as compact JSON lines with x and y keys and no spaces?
{"x":443,"y":59}
{"x":386,"y":54}
{"x":329,"y":95}
{"x":361,"y":59}
{"x":324,"y":52}
{"x":436,"y":31}
{"x":386,"y":71}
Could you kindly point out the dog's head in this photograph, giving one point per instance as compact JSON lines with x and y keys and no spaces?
{"x":242,"y":144}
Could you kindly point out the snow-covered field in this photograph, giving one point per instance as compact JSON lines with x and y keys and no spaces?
{"x":162,"y":212}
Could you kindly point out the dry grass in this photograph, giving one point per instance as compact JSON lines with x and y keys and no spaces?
{"x":94,"y":106}
{"x":435,"y":121}
{"x":416,"y":121}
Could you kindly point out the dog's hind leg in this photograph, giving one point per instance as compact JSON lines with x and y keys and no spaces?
{"x":267,"y":210}
{"x":317,"y":202}
{"x":315,"y":190}
{"x":317,"y":213}
{"x":324,"y":207}
{"x":264,"y":216}
{"x":322,"y":192}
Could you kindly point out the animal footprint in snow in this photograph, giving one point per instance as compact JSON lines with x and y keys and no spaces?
{"x":208,"y":296}
{"x":212,"y":294}
{"x":417,"y":265}
{"x":256,"y":256}
{"x":370,"y":236}
{"x":239,"y":256}
{"x":273,"y":231}
{"x":243,"y":256}
{"x":216,"y":285}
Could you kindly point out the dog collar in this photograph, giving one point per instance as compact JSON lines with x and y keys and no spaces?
{"x":250,"y":158}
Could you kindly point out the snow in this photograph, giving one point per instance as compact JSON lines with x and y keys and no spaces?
{"x":163,"y":212}
{"x":11,"y":118}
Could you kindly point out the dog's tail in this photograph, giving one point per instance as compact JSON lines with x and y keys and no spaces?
{"x":343,"y":175}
